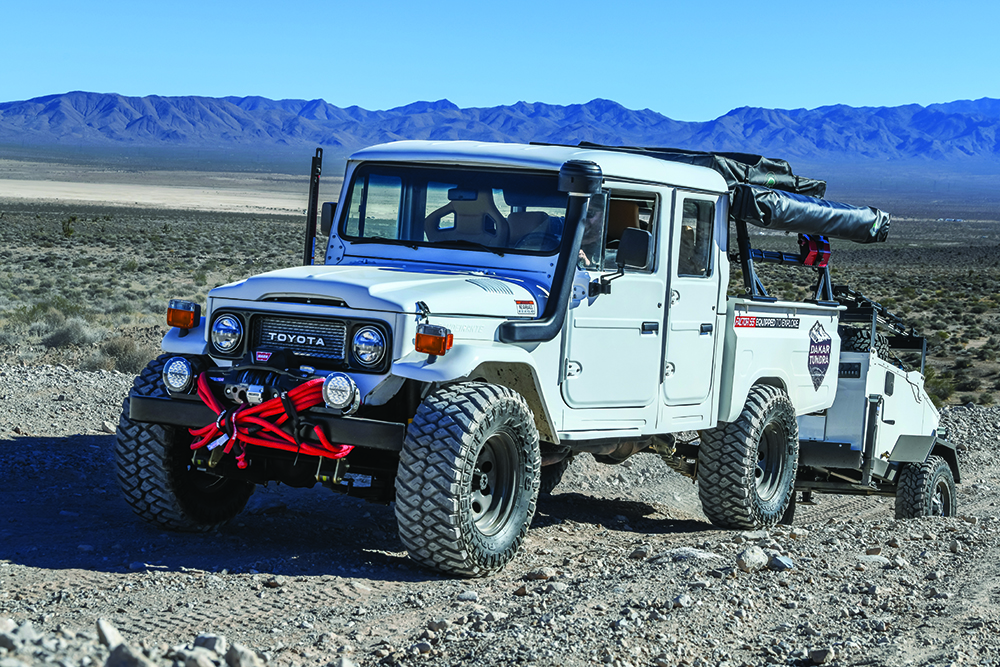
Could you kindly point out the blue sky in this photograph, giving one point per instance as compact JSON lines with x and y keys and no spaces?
{"x":687,"y":60}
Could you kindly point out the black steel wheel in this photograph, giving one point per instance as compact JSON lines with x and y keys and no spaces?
{"x":746,"y":469}
{"x":925,"y":489}
{"x":468,"y":479}
{"x":151,"y":462}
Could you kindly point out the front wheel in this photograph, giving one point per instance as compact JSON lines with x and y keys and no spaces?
{"x":746,"y":468}
{"x":468,"y":479}
{"x":925,"y":489}
{"x":152,"y":464}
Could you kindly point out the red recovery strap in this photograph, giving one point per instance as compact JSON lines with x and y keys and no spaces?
{"x":233,"y":426}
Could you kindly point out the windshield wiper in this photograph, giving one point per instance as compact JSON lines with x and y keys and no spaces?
{"x":470,"y":244}
{"x":384,"y":239}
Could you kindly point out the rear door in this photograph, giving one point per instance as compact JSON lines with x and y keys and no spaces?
{"x":694,"y":323}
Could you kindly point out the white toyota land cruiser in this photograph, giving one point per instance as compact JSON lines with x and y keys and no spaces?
{"x":487,"y":311}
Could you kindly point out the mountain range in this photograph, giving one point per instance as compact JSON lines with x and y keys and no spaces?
{"x":966,"y":130}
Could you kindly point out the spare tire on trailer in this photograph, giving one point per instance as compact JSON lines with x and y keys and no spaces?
{"x":746,"y":468}
{"x":152,"y":462}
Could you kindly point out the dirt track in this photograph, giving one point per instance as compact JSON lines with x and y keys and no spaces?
{"x":619,"y":566}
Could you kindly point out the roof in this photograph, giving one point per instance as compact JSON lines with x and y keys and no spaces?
{"x":614,"y":164}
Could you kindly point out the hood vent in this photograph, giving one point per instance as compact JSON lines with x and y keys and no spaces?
{"x":492,"y":285}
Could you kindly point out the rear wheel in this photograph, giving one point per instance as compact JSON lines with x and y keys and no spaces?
{"x":925,"y":489}
{"x":468,"y":479}
{"x":152,"y":465}
{"x":551,"y":475}
{"x":746,"y":469}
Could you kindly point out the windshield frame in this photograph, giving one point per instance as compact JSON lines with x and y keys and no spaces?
{"x":415,"y":179}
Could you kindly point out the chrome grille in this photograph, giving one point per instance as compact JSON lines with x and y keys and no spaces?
{"x":312,"y":338}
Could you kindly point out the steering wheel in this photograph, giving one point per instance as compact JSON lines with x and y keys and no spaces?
{"x":542,"y":241}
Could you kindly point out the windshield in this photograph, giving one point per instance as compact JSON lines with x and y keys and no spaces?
{"x":486,"y":210}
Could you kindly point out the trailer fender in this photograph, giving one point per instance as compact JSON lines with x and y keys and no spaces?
{"x":917,"y":448}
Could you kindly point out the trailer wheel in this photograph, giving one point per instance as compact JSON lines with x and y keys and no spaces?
{"x":468,"y":479}
{"x":151,"y":462}
{"x":925,"y":489}
{"x":746,"y":469}
{"x":552,"y":475}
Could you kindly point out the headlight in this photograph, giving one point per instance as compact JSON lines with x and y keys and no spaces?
{"x":227,"y":333}
{"x":178,"y":374}
{"x":340,"y":392}
{"x":369,"y":346}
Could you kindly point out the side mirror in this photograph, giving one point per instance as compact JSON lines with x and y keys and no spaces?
{"x":633,"y":248}
{"x":326,"y":218}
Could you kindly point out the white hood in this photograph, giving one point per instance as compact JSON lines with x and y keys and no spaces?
{"x":392,"y":290}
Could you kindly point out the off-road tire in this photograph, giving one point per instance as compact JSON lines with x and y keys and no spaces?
{"x":151,"y":461}
{"x":746,"y":469}
{"x":551,"y":475}
{"x":468,"y":479}
{"x":925,"y":489}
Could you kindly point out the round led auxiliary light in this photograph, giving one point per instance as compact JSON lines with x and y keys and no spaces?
{"x":227,"y":333}
{"x":178,"y":375}
{"x":340,"y":392}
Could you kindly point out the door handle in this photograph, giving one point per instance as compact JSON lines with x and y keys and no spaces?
{"x":650,"y":327}
{"x":706,"y":328}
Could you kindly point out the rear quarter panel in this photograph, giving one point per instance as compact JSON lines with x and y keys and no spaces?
{"x":789,"y":344}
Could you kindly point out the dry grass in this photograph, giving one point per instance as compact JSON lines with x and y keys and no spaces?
{"x":88,"y":286}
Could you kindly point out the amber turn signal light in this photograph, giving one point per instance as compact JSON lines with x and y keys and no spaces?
{"x":183,"y":314}
{"x":432,"y":339}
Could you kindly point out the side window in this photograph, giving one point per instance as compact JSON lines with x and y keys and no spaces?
{"x":697,"y":222}
{"x":374,"y":207}
{"x":624,"y":212}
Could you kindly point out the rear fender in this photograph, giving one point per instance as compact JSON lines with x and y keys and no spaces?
{"x":506,"y":365}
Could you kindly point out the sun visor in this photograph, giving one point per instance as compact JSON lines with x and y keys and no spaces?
{"x":789,"y":212}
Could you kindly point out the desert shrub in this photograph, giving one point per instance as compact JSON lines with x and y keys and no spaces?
{"x":68,"y":228}
{"x":74,"y":331}
{"x":122,"y":354}
{"x":963,"y":362}
{"x":986,"y":398}
{"x":939,"y":388}
{"x":965,"y":399}
{"x":968,"y":384}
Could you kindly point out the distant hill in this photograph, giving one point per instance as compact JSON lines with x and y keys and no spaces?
{"x":950,"y":132}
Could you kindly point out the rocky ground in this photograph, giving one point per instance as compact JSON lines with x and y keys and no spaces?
{"x":620,"y":568}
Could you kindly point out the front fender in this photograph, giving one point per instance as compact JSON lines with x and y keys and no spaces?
{"x":189,"y":342}
{"x":510,"y":366}
{"x":460,"y":361}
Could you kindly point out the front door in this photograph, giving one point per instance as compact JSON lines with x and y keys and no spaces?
{"x":614,"y":345}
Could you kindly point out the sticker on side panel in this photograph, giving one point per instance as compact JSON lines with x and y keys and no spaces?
{"x":754,"y":322}
{"x":820,"y":346}
{"x":527,"y":308}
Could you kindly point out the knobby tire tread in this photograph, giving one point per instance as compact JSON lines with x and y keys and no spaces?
{"x":727,"y":459}
{"x":148,"y":473}
{"x":439,"y":453}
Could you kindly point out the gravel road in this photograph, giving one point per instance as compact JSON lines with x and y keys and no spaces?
{"x":620,"y":568}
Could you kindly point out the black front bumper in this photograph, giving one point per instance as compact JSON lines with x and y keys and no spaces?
{"x":368,"y":433}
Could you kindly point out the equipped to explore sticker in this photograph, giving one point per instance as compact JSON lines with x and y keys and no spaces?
{"x":526,"y":308}
{"x":754,"y":322}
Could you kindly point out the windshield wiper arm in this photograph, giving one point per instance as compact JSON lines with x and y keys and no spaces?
{"x":471,"y":244}
{"x":382,"y":239}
